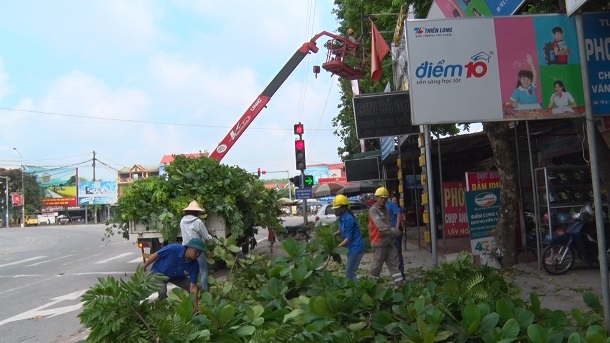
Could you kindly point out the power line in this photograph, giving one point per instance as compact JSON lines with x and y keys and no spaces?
{"x":139,"y":121}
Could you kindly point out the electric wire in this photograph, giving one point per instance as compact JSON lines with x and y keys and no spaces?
{"x":137,"y":121}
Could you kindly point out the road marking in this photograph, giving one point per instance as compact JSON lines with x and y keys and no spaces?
{"x":43,"y":311}
{"x":45,"y":261}
{"x":114,"y":258}
{"x":137,"y":260}
{"x":82,"y":259}
{"x":22,"y":261}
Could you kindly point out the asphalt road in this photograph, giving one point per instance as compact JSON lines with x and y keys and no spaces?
{"x":44,"y":271}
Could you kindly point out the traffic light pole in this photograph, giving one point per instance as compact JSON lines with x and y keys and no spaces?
{"x":304,"y":200}
{"x":6,"y":200}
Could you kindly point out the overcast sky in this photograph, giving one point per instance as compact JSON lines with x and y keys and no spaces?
{"x":135,"y":80}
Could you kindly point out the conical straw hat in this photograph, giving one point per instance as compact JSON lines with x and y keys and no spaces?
{"x":193,"y":206}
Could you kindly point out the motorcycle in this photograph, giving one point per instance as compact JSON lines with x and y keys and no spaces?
{"x":578,"y":242}
{"x":298,"y":232}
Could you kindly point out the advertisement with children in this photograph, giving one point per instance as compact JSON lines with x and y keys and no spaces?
{"x":494,"y":69}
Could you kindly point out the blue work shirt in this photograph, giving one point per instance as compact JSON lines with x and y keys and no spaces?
{"x":171,"y":263}
{"x":351,"y":230}
{"x":394,"y":210}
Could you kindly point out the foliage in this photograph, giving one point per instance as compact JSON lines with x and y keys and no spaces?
{"x":229,"y":191}
{"x":33,"y":191}
{"x":301,"y":298}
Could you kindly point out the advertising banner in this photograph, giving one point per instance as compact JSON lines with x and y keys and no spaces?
{"x":494,"y":69}
{"x":596,"y":27}
{"x":483,"y":208}
{"x":454,"y":207}
{"x":476,"y":181}
{"x":476,"y":8}
{"x":97,"y":192}
{"x":59,"y":185}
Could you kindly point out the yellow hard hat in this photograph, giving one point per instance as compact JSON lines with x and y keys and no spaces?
{"x":350,"y":31}
{"x":382,"y":192}
{"x":340,"y":200}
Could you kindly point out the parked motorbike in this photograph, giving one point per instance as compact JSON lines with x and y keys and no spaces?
{"x":298,"y":232}
{"x":579,"y":242}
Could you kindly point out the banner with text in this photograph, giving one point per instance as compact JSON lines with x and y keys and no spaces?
{"x":596,"y":27}
{"x":483,"y":208}
{"x":97,"y":192}
{"x":476,"y":181}
{"x":58,"y":184}
{"x":454,"y":207}
{"x":468,"y":70}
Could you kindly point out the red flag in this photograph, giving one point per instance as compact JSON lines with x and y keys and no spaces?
{"x":379,"y":49}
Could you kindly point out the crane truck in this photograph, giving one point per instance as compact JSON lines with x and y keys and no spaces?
{"x":339,"y":50}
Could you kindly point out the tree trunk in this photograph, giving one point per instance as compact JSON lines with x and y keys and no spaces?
{"x":504,"y":155}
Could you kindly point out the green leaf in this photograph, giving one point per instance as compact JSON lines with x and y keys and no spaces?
{"x":536,"y":333}
{"x":293,"y":314}
{"x":592,"y":301}
{"x":510,"y":329}
{"x":319,"y":306}
{"x":244,"y":331}
{"x":226,"y":315}
{"x":471,"y":314}
{"x":488,"y":323}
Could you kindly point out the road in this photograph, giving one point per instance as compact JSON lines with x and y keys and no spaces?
{"x":44,"y":271}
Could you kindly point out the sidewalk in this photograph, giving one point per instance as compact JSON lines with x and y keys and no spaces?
{"x":556,"y":292}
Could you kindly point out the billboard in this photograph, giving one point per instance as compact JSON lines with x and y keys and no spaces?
{"x":473,"y":8}
{"x":362,"y":169}
{"x":58,"y":184}
{"x":454,"y":208}
{"x":97,"y":192}
{"x":470,"y":70}
{"x":383,"y":114}
{"x":596,"y":27}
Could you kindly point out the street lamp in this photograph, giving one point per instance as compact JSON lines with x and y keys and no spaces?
{"x":6,"y":200}
{"x":22,"y":191}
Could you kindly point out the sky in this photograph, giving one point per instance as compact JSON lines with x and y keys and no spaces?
{"x":136,"y":80}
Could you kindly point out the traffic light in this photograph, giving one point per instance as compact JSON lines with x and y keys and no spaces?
{"x":299,"y":154}
{"x":296,"y":180}
{"x":308,"y":181}
{"x":298,"y":129}
{"x":259,"y":172}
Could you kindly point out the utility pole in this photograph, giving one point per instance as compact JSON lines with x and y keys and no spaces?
{"x":22,"y":190}
{"x":94,"y":208}
{"x":6,"y":200}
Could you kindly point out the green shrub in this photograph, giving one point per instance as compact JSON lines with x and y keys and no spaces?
{"x":297,"y":298}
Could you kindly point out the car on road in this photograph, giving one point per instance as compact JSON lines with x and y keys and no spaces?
{"x":326,"y":213}
{"x":31,"y":220}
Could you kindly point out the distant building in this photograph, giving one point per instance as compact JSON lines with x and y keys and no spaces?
{"x":128,"y":175}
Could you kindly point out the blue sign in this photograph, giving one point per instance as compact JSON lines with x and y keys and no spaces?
{"x":319,"y":172}
{"x":97,"y":192}
{"x":596,"y":27}
{"x":304,"y":193}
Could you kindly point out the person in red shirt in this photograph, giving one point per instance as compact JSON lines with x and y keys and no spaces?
{"x":559,"y":46}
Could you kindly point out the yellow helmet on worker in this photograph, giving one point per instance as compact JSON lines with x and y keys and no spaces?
{"x":382,"y":192}
{"x":350,"y":31}
{"x":340,"y":200}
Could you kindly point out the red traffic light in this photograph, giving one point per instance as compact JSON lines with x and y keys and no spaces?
{"x":299,"y":144}
{"x":298,"y":129}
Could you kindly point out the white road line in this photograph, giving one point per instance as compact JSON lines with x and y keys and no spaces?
{"x":45,"y":261}
{"x":82,"y":259}
{"x":114,"y":258}
{"x":137,"y":260}
{"x":22,"y":261}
